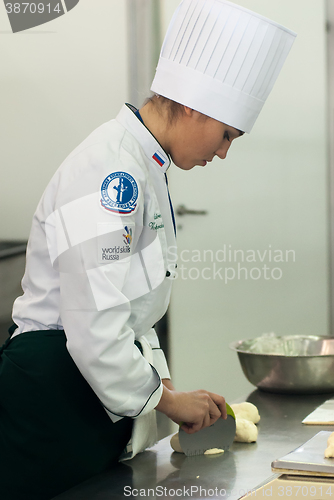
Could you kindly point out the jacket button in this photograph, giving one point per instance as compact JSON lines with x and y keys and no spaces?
{"x":167,"y":274}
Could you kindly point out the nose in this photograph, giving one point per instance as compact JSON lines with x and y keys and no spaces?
{"x":222,"y":152}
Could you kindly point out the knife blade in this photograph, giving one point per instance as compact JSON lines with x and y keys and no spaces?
{"x":218,"y":435}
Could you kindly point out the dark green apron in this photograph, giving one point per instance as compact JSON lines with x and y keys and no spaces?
{"x":54,"y":432}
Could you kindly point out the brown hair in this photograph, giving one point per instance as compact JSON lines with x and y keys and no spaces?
{"x":162,"y":104}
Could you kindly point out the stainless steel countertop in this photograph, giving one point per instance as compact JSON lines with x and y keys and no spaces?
{"x":160,"y":473}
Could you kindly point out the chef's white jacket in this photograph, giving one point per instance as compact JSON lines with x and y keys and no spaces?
{"x":101,"y":260}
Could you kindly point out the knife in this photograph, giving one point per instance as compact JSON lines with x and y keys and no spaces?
{"x":218,"y":435}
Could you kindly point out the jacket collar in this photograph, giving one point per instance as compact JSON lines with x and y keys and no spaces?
{"x":152,"y":149}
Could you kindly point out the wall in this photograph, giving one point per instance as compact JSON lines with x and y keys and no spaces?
{"x":330,"y":45}
{"x":271,"y":190}
{"x":58,"y":82}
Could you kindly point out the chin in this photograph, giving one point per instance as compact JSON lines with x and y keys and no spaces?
{"x":184,"y":165}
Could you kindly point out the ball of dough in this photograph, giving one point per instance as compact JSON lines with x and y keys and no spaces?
{"x":248,"y":411}
{"x":329,"y":451}
{"x":213,"y":451}
{"x":330,"y":440}
{"x":246,"y":431}
{"x":175,"y":443}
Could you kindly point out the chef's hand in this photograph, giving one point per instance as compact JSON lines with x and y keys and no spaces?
{"x":196,"y":409}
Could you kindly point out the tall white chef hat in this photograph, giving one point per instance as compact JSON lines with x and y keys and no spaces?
{"x":221,"y":60}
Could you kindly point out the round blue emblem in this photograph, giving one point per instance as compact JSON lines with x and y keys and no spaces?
{"x":119,"y":193}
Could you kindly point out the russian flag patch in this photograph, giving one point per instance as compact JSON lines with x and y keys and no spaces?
{"x":158,"y":159}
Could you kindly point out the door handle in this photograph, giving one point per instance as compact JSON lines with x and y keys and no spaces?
{"x":182,"y":210}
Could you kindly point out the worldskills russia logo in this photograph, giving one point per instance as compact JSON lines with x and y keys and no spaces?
{"x":127,"y":236}
{"x":26,"y":15}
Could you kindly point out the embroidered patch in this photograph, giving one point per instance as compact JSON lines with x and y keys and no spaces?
{"x":157,"y":223}
{"x":158,"y":159}
{"x":119,"y":193}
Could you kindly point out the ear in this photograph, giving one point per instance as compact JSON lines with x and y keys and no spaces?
{"x":188,"y":111}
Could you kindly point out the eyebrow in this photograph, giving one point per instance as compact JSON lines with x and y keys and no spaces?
{"x":240,"y":132}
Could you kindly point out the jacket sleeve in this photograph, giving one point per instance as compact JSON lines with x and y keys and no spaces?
{"x":97,"y":251}
{"x":159,"y":360}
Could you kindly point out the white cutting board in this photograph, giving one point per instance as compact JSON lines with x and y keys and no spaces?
{"x":323,"y":415}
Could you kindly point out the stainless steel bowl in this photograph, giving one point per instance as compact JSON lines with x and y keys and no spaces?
{"x":291,"y":364}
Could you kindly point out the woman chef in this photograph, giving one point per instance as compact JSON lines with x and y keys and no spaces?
{"x":83,"y":369}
